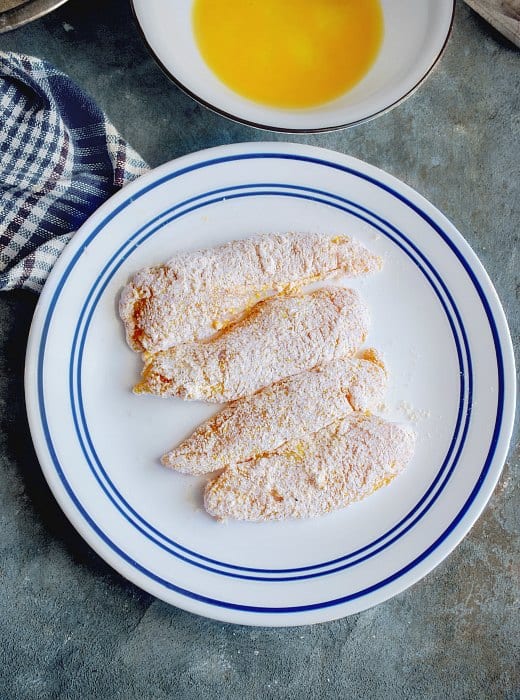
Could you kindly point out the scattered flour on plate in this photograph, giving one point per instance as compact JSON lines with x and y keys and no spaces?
{"x":412,"y":414}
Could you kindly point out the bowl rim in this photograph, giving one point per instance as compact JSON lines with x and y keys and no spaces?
{"x":286,"y":130}
{"x":26,"y":12}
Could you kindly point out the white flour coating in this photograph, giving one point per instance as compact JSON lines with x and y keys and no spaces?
{"x":340,"y":464}
{"x":289,"y":409}
{"x":198,"y":292}
{"x":280,"y":337}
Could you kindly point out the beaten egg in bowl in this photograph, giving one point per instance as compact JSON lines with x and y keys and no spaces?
{"x":290,"y":54}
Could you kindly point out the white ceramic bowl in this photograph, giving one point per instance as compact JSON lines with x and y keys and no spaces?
{"x":415,"y":34}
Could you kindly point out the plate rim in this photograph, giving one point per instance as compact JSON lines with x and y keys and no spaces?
{"x":286,"y":130}
{"x":290,"y":618}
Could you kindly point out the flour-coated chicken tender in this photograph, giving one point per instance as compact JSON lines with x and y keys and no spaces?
{"x":199,"y":292}
{"x":338,"y":465}
{"x":281,"y":336}
{"x":286,"y":410}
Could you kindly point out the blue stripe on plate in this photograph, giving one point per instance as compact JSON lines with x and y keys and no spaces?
{"x":118,"y":258}
{"x":323,"y":604}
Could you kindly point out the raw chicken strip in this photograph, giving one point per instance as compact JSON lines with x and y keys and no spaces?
{"x":280,"y":337}
{"x":342,"y":463}
{"x":199,"y":292}
{"x":287,"y":410}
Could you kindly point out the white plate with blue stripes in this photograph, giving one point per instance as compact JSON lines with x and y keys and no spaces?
{"x":435,"y":317}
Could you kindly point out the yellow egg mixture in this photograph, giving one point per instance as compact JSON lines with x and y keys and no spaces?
{"x":289,"y":53}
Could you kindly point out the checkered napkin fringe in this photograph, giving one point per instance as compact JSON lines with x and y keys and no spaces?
{"x":60,"y":159}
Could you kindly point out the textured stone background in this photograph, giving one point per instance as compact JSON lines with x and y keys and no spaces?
{"x":72,"y":628}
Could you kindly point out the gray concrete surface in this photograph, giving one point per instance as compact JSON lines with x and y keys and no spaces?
{"x":72,"y":628}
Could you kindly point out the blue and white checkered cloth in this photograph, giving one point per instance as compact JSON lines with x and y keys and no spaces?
{"x":60,"y":159}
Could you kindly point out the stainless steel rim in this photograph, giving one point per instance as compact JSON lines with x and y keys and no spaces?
{"x":26,"y":12}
